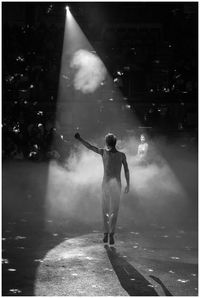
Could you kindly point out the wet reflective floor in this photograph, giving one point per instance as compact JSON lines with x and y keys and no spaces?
{"x":138,"y":265}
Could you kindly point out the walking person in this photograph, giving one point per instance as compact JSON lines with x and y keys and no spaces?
{"x":111,"y":186}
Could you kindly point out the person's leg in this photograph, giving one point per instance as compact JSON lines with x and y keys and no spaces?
{"x":115,"y":201}
{"x":105,"y":210}
{"x":114,"y":213}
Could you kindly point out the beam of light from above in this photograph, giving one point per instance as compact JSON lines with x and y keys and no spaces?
{"x":85,"y":87}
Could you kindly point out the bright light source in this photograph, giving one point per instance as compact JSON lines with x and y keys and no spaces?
{"x":67,"y":8}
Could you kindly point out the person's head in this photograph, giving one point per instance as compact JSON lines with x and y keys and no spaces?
{"x":111,"y":140}
{"x":142,"y":138}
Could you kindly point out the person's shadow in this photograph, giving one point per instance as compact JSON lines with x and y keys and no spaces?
{"x":131,"y":280}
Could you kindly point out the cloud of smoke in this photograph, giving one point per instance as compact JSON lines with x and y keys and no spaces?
{"x":156,"y":194}
{"x":75,"y":191}
{"x":89,"y":71}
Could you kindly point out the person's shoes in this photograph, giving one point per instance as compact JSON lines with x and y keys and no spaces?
{"x":112,"y":241}
{"x":105,"y":238}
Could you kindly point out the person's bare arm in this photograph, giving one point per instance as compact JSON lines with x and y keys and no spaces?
{"x":126,"y":172}
{"x":87,"y":145}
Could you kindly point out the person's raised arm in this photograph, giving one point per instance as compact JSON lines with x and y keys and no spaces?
{"x":87,"y":145}
{"x":126,"y":172}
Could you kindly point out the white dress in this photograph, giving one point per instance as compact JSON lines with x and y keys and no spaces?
{"x":142,"y":152}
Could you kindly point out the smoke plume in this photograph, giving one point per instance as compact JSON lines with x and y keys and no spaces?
{"x":89,"y":71}
{"x":156,"y":193}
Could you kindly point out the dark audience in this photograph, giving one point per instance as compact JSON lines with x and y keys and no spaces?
{"x":31,"y":63}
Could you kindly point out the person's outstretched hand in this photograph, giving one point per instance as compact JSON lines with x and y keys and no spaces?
{"x":126,"y":189}
{"x":77,"y":135}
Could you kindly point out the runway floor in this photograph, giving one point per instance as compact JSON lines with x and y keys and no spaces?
{"x":48,"y":256}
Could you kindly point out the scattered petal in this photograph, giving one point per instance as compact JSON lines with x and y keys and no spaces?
{"x":183,"y":280}
{"x":38,"y":260}
{"x":74,"y":274}
{"x":132,"y":279}
{"x":19,"y":237}
{"x":5,"y":261}
{"x":170,"y":271}
{"x":89,"y":258}
{"x":11,"y":269}
{"x":15,"y":291}
{"x":175,"y":258}
{"x":55,"y":234}
{"x":94,"y":286}
{"x":193,"y":274}
{"x":150,"y":270}
{"x":135,"y":246}
{"x":108,"y":269}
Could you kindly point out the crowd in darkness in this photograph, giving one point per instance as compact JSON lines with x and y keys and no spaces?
{"x":30,"y":77}
{"x":31,"y":58}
